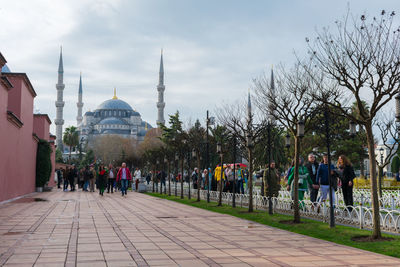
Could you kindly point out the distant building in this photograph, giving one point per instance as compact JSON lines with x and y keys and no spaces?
{"x":113,"y":117}
{"x":20,"y":131}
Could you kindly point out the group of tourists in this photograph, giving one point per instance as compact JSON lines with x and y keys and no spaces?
{"x":102,"y":178}
{"x":314,"y":179}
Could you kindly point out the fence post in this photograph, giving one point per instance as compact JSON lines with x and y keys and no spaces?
{"x":393,"y":203}
{"x":362,"y":212}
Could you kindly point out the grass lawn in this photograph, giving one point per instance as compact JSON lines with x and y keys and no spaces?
{"x":339,"y":234}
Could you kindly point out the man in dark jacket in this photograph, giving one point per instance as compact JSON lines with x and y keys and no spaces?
{"x":312,"y":167}
{"x":323,"y":179}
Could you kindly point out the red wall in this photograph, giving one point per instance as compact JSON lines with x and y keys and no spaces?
{"x":18,"y":147}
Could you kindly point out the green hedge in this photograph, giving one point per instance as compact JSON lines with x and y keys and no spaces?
{"x":43,"y":163}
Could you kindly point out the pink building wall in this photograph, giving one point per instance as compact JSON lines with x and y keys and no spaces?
{"x":18,"y":143}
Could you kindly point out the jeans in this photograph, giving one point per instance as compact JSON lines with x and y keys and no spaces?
{"x":86,"y":185}
{"x":124,"y":186}
{"x":324,"y":194}
{"x":239,"y":187}
{"x":65,"y":184}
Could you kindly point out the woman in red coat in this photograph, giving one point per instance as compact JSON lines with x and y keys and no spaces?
{"x":124,"y":175}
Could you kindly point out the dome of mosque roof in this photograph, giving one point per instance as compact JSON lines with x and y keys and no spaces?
{"x":113,"y":121}
{"x":115,"y":104}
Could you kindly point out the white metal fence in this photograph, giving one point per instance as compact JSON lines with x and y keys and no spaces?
{"x":359,"y":215}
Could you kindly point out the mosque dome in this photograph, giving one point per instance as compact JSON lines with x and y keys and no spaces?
{"x":112,"y":121}
{"x":115,"y":104}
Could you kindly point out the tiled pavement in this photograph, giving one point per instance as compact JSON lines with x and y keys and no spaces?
{"x":85,"y":229}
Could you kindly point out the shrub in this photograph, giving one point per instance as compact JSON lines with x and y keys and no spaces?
{"x":43,"y":163}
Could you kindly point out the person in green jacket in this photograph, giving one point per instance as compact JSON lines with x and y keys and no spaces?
{"x":304,"y":181}
{"x":271,"y":180}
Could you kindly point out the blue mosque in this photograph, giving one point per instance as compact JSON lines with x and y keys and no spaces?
{"x":112,"y":117}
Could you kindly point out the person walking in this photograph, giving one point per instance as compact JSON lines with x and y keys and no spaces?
{"x":111,"y":178}
{"x":304,"y":181}
{"x":101,"y":179}
{"x":323,"y":179}
{"x":86,"y":178}
{"x":124,"y":176}
{"x":81,"y":178}
{"x":312,"y":167}
{"x":59,"y":178}
{"x":346,"y":175}
{"x":66,"y":178}
{"x":71,"y":177}
{"x":240,"y":178}
{"x":271,"y":180}
{"x":92,"y":178}
{"x":229,"y":178}
{"x":138,"y":176}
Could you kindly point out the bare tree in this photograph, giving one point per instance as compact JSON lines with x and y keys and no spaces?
{"x":363,"y":57}
{"x":247,"y":131}
{"x":113,"y":148}
{"x":290,"y":105}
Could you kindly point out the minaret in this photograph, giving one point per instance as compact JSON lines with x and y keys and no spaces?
{"x":248,"y":106}
{"x":161,"y":89}
{"x":59,"y":122}
{"x":270,"y":105}
{"x":79,"y":104}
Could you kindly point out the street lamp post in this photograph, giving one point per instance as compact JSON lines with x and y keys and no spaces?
{"x":270,"y":209}
{"x":158,"y":167}
{"x":209,"y":121}
{"x":381,"y":150}
{"x":177,"y":171}
{"x":219,"y":151}
{"x":328,"y":148}
{"x":234,"y":172}
{"x":166,"y":171}
{"x":188,"y":173}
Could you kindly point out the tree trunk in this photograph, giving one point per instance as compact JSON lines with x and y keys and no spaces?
{"x":295,"y":183}
{"x":250,"y":179}
{"x":374,"y":190}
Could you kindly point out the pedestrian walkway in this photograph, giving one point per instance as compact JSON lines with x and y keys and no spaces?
{"x":85,"y":229}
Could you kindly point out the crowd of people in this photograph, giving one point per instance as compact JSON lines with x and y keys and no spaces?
{"x":99,"y":177}
{"x":313,"y":179}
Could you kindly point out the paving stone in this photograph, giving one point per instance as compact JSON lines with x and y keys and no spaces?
{"x":140,"y":230}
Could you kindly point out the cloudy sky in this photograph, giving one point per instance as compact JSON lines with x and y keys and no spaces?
{"x":212,"y":49}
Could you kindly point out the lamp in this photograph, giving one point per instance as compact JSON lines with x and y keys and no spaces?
{"x":193,"y":153}
{"x":287,"y":140}
{"x":176,"y":157}
{"x":300,"y":128}
{"x":219,"y":148}
{"x":352,"y":126}
{"x":397,"y":99}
